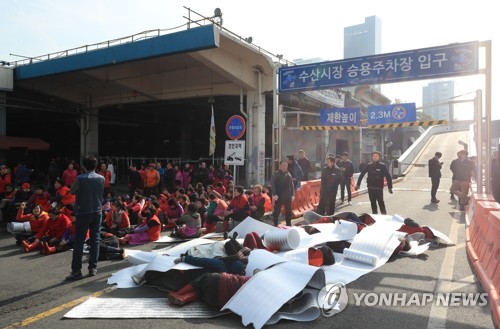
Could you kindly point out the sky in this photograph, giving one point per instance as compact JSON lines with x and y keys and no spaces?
{"x":296,"y":29}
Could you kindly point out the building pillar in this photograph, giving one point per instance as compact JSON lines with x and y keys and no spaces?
{"x":89,"y":132}
{"x":3,"y":113}
{"x":256,"y":138}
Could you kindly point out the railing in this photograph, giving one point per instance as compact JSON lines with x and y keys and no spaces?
{"x":203,"y":21}
{"x":405,"y":161}
{"x":121,"y":165}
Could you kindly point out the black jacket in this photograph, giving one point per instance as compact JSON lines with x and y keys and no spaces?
{"x":282,"y":185}
{"x":434,"y":168}
{"x":376,"y":173}
{"x":463,"y":170}
{"x":348,"y":169}
{"x":330,"y":179}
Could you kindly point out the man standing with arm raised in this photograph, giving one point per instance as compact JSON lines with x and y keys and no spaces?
{"x":88,"y":188}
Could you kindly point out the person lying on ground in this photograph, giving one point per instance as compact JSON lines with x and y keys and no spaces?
{"x":215,"y":289}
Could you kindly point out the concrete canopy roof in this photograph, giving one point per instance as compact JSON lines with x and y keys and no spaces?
{"x":202,"y":61}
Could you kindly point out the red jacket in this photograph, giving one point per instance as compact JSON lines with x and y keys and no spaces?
{"x":239,"y":202}
{"x":107,"y":177}
{"x":69,"y":176}
{"x":36,"y":223}
{"x":67,"y":198}
{"x":4,"y":180}
{"x":121,"y":220}
{"x":42,"y":199}
{"x":55,"y":228}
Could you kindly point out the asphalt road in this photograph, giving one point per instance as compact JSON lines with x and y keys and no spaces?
{"x":33,"y":290}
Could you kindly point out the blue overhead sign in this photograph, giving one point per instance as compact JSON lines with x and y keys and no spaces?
{"x":418,"y":64}
{"x":340,"y":117}
{"x":395,"y":113}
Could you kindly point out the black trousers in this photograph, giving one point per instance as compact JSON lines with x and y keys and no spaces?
{"x":326,"y":204}
{"x":345,"y":184}
{"x":435,"y":186}
{"x":377,"y":196}
{"x":287,"y":203}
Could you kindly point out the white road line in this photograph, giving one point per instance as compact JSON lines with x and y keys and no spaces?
{"x":437,"y":316}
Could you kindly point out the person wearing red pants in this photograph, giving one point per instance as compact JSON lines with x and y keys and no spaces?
{"x":215,"y":289}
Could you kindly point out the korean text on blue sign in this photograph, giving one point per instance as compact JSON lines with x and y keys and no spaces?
{"x":395,"y":113}
{"x":426,"y":63}
{"x":339,"y":117}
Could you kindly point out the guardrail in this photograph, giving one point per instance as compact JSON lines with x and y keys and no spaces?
{"x":406,"y":160}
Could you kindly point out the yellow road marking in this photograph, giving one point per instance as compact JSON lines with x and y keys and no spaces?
{"x":58,"y":309}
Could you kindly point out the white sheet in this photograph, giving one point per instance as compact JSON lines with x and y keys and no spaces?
{"x":250,"y":225}
{"x":140,"y":308}
{"x":272,"y":288}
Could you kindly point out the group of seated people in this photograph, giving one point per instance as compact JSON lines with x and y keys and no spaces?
{"x":186,"y":212}
{"x":135,"y":220}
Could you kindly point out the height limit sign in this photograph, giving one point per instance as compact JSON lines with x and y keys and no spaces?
{"x":234,"y":153}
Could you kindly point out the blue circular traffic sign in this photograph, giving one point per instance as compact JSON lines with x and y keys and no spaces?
{"x":235,"y":127}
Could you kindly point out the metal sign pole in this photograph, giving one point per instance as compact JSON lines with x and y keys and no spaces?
{"x":479,"y":140}
{"x":487,"y":105}
{"x":234,"y":180}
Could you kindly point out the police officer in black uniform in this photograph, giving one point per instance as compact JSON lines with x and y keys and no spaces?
{"x":376,"y":172}
{"x":331,"y":177}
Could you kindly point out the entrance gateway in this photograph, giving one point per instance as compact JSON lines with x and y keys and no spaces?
{"x":458,"y":59}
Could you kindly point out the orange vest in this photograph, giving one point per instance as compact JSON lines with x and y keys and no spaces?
{"x":154,"y":232}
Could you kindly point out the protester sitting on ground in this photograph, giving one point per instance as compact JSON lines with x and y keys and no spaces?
{"x":220,"y":189}
{"x":257,"y":202}
{"x":134,"y":209}
{"x":211,"y":189}
{"x":66,"y":242}
{"x":40,"y":197}
{"x":199,"y":189}
{"x":5,"y":179}
{"x":183,"y":201}
{"x":51,"y":232}
{"x":215,"y":212}
{"x":117,"y":220}
{"x":172,"y":214}
{"x":201,"y":204}
{"x":149,"y":229}
{"x":63,"y":197}
{"x":23,"y":194}
{"x":238,"y":209}
{"x":192,"y":194}
{"x":7,"y":199}
{"x":191,"y":224}
{"x":36,"y":218}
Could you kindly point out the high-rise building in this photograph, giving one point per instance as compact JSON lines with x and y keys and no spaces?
{"x":433,"y":97}
{"x":363,"y":39}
